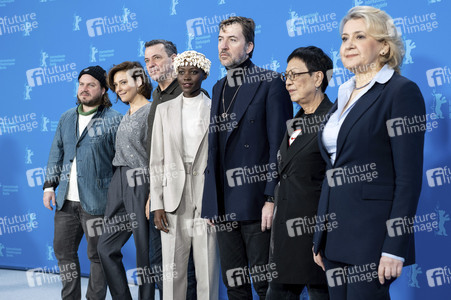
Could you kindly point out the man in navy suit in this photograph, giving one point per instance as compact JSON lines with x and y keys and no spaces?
{"x":252,"y":105}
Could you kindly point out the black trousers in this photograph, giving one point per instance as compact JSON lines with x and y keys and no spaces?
{"x":71,"y":223}
{"x":124,"y":215}
{"x":245,"y":247}
{"x":348,"y":282}
{"x":281,"y":291}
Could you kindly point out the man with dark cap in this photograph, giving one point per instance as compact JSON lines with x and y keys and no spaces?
{"x":80,"y":163}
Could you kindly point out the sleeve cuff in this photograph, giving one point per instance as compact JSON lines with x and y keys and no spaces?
{"x":393,"y":256}
{"x":49,"y":189}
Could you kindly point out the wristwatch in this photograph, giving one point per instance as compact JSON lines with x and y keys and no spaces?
{"x":269,"y":199}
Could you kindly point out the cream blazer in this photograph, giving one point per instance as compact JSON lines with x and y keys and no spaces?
{"x":167,"y":170}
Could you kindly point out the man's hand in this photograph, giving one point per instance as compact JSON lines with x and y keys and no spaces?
{"x":159,"y":218}
{"x":267,"y":212}
{"x":147,"y":208}
{"x":388,"y":268}
{"x":318,"y":260}
{"x":47,"y":197}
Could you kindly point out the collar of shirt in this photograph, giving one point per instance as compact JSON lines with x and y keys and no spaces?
{"x":345,"y":90}
{"x":170,"y":89}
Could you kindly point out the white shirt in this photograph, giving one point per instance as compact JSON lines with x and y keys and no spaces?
{"x":192,"y":132}
{"x":332,"y":128}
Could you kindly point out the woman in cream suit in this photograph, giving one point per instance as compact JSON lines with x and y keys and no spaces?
{"x":178,"y":159}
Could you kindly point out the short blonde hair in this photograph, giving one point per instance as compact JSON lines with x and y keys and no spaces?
{"x":380,"y":26}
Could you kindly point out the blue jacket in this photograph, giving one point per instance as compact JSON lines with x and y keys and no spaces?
{"x":94,"y":151}
{"x":262,"y":108}
{"x":364,"y":209}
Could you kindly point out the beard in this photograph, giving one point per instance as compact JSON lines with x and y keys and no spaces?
{"x":95,"y":101}
{"x":233,"y":62}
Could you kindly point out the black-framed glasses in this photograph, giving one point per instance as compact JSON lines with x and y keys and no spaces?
{"x":292,"y":75}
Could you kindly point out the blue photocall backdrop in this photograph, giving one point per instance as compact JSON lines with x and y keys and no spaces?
{"x":44,"y":44}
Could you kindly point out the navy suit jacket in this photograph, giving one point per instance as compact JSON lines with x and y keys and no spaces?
{"x":262,"y":107}
{"x":367,"y":209}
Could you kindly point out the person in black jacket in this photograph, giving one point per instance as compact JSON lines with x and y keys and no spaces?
{"x":301,"y":171}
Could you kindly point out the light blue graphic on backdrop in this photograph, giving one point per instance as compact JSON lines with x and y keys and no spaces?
{"x":26,"y":93}
{"x":189,"y":43}
{"x":2,"y":247}
{"x":443,"y":217}
{"x":75,"y":88}
{"x":335,"y":56}
{"x":45,"y":122}
{"x":28,"y":154}
{"x":76,"y":24}
{"x":293,"y":16}
{"x":44,"y":57}
{"x":437,"y":103}
{"x":126,"y":13}
{"x":173,"y":5}
{"x":141,"y":46}
{"x":50,"y":252}
{"x":274,"y":65}
{"x":92,"y":53}
{"x":413,"y":274}
{"x":409,"y":45}
{"x":220,"y":2}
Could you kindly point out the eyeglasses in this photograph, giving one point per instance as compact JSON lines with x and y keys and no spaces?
{"x":292,"y":75}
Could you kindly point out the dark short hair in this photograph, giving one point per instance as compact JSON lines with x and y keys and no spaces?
{"x":247,"y":25}
{"x":315,"y":60}
{"x":137,"y":70}
{"x":169,"y":46}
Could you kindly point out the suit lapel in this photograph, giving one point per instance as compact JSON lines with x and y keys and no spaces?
{"x":323,"y":149}
{"x":175,"y":127}
{"x":356,"y":113}
{"x":305,"y":138}
{"x":205,"y":116}
{"x":244,"y":96}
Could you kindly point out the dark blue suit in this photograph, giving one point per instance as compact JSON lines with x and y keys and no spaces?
{"x":236,"y":180}
{"x":368,"y":211}
{"x":262,"y":108}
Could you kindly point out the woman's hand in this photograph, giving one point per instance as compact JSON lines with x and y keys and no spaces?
{"x":159,"y":218}
{"x":388,"y":268}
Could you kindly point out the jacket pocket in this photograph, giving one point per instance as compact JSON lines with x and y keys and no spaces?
{"x":103,"y":183}
{"x":377,"y":192}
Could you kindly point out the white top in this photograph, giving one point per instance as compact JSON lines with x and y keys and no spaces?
{"x":332,"y":128}
{"x":72,"y":192}
{"x":192,"y":132}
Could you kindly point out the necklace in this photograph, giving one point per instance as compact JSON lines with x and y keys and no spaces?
{"x":225,"y":113}
{"x":359,"y":88}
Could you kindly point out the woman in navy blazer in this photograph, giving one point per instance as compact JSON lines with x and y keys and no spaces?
{"x":373,"y":147}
